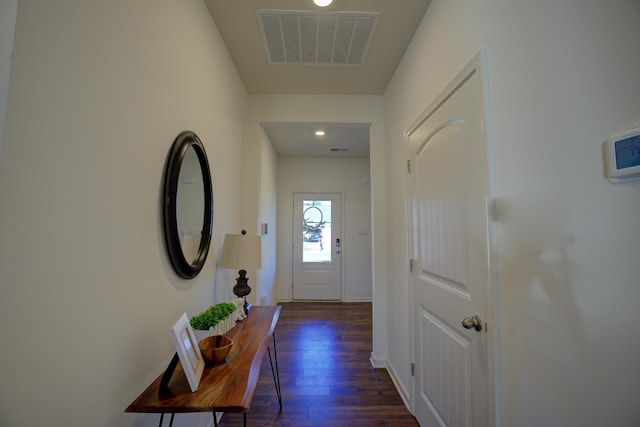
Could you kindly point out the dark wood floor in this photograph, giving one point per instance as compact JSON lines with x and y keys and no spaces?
{"x":325,"y":373}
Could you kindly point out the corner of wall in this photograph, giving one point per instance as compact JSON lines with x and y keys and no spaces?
{"x":8,"y":14}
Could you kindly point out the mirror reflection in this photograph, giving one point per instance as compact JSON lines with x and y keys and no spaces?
{"x":190,"y":205}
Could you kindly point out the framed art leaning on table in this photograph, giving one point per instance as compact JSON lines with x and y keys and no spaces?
{"x":188,"y":351}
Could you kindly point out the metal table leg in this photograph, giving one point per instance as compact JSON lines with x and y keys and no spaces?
{"x":162,"y":419}
{"x":276,"y":372}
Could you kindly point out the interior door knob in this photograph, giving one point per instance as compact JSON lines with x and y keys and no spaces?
{"x":474,"y":322}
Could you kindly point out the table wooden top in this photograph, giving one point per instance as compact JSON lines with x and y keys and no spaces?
{"x":225,"y":387}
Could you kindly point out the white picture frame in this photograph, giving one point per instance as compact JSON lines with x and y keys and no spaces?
{"x":188,"y":351}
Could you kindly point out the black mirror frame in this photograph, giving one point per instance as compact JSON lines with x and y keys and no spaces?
{"x":184,"y":268}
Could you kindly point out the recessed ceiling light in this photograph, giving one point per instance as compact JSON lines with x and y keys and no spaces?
{"x":319,"y":133}
{"x":322,"y":3}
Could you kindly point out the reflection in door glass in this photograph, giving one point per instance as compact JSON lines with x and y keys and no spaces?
{"x":316,"y":231}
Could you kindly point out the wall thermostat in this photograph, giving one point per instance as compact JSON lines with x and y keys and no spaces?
{"x":623,"y":156}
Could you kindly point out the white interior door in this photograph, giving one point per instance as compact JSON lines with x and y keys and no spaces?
{"x":451,"y":272}
{"x":317,"y":246}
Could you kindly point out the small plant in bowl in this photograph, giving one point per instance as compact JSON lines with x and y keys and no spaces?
{"x":212,"y":316}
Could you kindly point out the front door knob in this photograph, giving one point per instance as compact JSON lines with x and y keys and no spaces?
{"x":474,"y":322}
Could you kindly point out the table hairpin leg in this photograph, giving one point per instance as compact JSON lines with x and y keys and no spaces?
{"x":215,"y":419}
{"x":162,"y":418}
{"x":276,"y":372}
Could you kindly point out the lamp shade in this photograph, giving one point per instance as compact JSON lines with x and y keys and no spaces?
{"x":241,"y":252}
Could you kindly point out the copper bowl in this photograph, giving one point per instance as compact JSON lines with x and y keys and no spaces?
{"x":215,"y":348}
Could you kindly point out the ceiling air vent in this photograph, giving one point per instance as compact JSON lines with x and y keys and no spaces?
{"x":316,"y":38}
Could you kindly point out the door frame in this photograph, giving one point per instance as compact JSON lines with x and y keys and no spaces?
{"x":342,"y":240}
{"x":477,"y":65}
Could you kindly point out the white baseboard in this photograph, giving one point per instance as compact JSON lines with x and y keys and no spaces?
{"x":354,"y":299}
{"x":358,"y":299}
{"x":377,"y":362}
{"x":402,"y":390}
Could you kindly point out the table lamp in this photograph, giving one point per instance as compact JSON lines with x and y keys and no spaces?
{"x":242,"y":252}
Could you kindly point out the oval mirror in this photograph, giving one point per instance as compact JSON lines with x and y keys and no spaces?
{"x":188,"y":205}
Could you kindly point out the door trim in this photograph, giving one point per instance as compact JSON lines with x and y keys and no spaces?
{"x":477,"y":65}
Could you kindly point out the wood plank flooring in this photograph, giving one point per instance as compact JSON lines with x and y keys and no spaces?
{"x":325,"y":373}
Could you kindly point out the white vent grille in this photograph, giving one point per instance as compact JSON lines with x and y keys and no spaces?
{"x":316,"y":38}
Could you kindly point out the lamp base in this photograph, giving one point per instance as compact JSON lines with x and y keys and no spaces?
{"x":242,"y":289}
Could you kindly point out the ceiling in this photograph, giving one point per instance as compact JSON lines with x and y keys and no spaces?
{"x":392,"y":24}
{"x":299,"y":140}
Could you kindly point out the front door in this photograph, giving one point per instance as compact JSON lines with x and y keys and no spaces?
{"x":317,"y":246}
{"x":451,"y":271}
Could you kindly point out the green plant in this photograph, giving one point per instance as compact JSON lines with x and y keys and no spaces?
{"x":212,"y":316}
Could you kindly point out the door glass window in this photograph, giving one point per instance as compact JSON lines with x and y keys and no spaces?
{"x":316,"y":231}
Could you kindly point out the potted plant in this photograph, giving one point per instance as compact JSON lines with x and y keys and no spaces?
{"x":216,"y":320}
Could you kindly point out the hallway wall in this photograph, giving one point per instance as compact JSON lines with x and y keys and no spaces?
{"x":98,"y":93}
{"x":563,"y":76}
{"x":8,"y":10}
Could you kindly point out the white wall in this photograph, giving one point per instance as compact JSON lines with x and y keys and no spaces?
{"x":563,"y":77}
{"x":267,"y":214}
{"x":322,"y":175}
{"x":8,"y":10}
{"x":98,"y":92}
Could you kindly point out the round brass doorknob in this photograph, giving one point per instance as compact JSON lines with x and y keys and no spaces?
{"x":472,"y":323}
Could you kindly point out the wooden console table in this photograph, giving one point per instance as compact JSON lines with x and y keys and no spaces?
{"x":224,"y":387}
